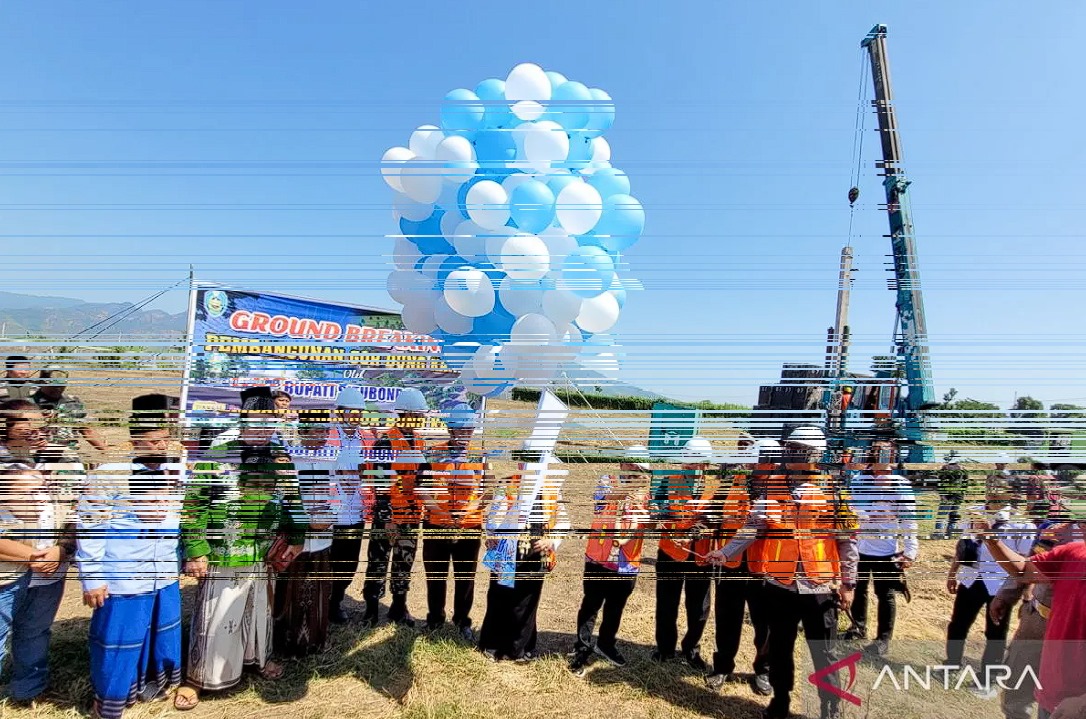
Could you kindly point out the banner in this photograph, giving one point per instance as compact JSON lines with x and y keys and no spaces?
{"x":307,"y":350}
{"x":670,"y":428}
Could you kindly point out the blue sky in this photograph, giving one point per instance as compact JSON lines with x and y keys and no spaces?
{"x":244,"y":138}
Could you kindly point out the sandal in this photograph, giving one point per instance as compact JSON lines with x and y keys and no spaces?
{"x":272,"y":670}
{"x":185,"y":699}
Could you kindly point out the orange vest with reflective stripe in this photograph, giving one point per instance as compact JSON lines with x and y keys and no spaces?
{"x":734,"y":514}
{"x":609,"y":527}
{"x":455,"y":487}
{"x":686,"y":513}
{"x":406,"y":508}
{"x":803,"y":530}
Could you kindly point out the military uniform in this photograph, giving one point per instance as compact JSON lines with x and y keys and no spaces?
{"x":66,"y":417}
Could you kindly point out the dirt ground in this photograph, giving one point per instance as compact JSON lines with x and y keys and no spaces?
{"x":391,"y":672}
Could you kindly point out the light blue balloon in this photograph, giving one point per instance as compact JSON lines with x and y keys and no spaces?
{"x":571,"y":105}
{"x":589,"y":271}
{"x":602,"y":115}
{"x":557,"y":79}
{"x":610,"y":181}
{"x":557,"y":182}
{"x":497,"y":113}
{"x":493,"y":326}
{"x":450,"y":265}
{"x":580,"y":151}
{"x":462,"y":113}
{"x":532,"y":206}
{"x":623,"y":219}
{"x":620,"y":295}
{"x":494,"y":148}
{"x":458,"y":354}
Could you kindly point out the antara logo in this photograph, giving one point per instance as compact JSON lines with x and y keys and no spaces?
{"x":924,"y":678}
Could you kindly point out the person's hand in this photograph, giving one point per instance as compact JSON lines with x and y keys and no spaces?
{"x":46,"y":561}
{"x":1071,"y":708}
{"x":998,"y":609}
{"x":845,"y":595}
{"x":716,"y":557}
{"x":95,"y":598}
{"x":292,"y":551}
{"x":492,"y":544}
{"x":543,"y":545}
{"x":904,"y":563}
{"x":196,"y":567}
{"x":952,"y":585}
{"x":392,"y":530}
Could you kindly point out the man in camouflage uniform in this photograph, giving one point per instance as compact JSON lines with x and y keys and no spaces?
{"x":65,"y":413}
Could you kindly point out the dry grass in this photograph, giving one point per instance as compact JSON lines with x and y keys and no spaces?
{"x":406,"y":675}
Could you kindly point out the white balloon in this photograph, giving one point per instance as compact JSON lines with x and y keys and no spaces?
{"x":418,"y":317}
{"x":488,"y":204}
{"x":391,"y":164}
{"x":431,"y":266}
{"x":601,"y":150}
{"x":545,"y":143}
{"x":561,"y":306}
{"x":404,"y":206}
{"x":449,"y":222}
{"x":456,"y":158}
{"x":592,"y":167}
{"x":527,"y":81}
{"x":469,"y":241}
{"x":604,"y":363}
{"x":469,"y":292}
{"x":558,"y":243}
{"x":598,"y":314}
{"x":515,"y":180}
{"x":528,"y":110}
{"x":569,"y":344}
{"x":533,"y":329}
{"x":520,"y":297}
{"x":524,"y":257}
{"x":579,"y":207}
{"x":450,"y":320}
{"x":495,"y":241}
{"x":405,"y":254}
{"x":421,"y":181}
{"x":401,"y":285}
{"x":424,"y":141}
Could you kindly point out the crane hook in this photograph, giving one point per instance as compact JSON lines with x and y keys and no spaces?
{"x":853,"y":195}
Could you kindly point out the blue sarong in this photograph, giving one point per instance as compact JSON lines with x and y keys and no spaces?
{"x":135,"y":648}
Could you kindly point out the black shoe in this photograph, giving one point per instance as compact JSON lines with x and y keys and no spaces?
{"x":853,"y":635}
{"x":398,"y":614}
{"x":777,"y":710}
{"x":369,"y":617}
{"x":716,"y":680}
{"x":338,"y":616}
{"x":879,"y":647}
{"x":661,"y":657}
{"x":611,"y":654}
{"x":579,"y":664}
{"x":490,"y":655}
{"x":526,"y":658}
{"x":761,"y":686}
{"x":831,"y":711}
{"x":467,"y":633}
{"x":694,"y":661}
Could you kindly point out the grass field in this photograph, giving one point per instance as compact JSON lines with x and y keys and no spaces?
{"x":405,"y":674}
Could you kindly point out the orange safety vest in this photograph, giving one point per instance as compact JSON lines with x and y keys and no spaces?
{"x":797,"y":531}
{"x":456,"y":486}
{"x":406,"y":508}
{"x":735,"y":510}
{"x":671,"y":542}
{"x":609,"y":526}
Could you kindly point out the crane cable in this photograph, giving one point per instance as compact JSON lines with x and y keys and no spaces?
{"x":858,"y":143}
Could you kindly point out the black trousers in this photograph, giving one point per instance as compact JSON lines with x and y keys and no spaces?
{"x":509,"y":626}
{"x":818,"y":615}
{"x":604,"y":589}
{"x":736,"y":589}
{"x":461,"y":550}
{"x":343,"y":561}
{"x":401,"y":545}
{"x":671,"y":578}
{"x":968,"y":603}
{"x":885,"y":574}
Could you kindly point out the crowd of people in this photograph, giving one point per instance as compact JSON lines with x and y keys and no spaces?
{"x":271,"y":518}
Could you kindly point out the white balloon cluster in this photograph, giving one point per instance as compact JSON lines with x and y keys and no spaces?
{"x":512,"y":220}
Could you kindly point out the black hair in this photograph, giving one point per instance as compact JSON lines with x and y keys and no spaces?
{"x":13,"y":360}
{"x":258,"y":404}
{"x":10,"y":407}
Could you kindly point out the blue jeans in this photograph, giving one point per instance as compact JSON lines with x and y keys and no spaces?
{"x":11,"y":600}
{"x":32,"y":631}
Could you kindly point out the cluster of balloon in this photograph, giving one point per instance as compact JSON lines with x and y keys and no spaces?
{"x":512,"y":223}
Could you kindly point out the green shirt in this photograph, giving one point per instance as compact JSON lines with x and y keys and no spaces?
{"x":66,"y":417}
{"x":232,"y":518}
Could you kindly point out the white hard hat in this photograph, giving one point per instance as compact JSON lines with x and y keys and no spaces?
{"x":350,"y":398}
{"x":808,"y":436}
{"x":768,"y":445}
{"x":1003,"y":458}
{"x":410,"y":400}
{"x":637,"y":453}
{"x":461,"y":416}
{"x":697,"y":450}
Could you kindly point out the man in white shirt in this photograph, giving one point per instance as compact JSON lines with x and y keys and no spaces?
{"x":888,"y":545}
{"x":975,"y":577}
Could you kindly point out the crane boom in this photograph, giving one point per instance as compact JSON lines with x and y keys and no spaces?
{"x":910,"y":299}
